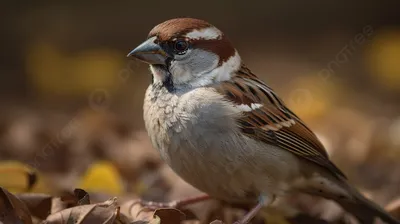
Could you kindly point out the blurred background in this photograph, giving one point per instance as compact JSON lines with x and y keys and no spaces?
{"x":71,"y":102}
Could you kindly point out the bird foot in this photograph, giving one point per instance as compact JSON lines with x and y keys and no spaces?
{"x":150,"y":205}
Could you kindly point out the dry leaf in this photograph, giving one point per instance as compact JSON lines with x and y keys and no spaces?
{"x":58,"y":205}
{"x":78,"y":197}
{"x":13,"y":210}
{"x":136,"y":212}
{"x":39,"y":205}
{"x":169,"y":215}
{"x":68,"y":200}
{"x":106,"y":213}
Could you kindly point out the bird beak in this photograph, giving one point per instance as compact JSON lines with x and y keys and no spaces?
{"x":150,"y":52}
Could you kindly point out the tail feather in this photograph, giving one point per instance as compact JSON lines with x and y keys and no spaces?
{"x":339,"y":190}
{"x":365,"y":210}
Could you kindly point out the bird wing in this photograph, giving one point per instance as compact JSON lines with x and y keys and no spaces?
{"x":266,"y":118}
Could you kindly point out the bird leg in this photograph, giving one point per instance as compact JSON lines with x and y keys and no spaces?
{"x":262,"y":201}
{"x":174,"y":204}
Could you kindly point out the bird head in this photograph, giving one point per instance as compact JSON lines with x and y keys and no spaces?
{"x":188,"y":53}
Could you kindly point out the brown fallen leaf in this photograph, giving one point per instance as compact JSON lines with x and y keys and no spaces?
{"x":106,"y":213}
{"x":169,"y":215}
{"x":162,"y":215}
{"x":39,"y":205}
{"x":68,"y":200}
{"x":78,"y":197}
{"x":58,"y":205}
{"x":13,"y":210}
{"x":138,"y":214}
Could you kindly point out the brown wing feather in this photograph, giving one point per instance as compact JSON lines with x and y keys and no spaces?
{"x":273,"y":122}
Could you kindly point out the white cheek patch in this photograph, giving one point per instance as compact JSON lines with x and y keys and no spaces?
{"x":224,"y":72}
{"x":219,"y":74}
{"x":248,"y":108}
{"x":210,"y":33}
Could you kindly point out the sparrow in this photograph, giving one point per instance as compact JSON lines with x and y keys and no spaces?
{"x":226,"y":132}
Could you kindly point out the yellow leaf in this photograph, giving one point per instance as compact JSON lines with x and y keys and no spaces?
{"x":14,"y":176}
{"x":102,"y":177}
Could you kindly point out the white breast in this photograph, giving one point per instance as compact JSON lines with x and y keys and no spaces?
{"x":197,"y":136}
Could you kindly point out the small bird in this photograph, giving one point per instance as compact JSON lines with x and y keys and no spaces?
{"x":227,"y":133}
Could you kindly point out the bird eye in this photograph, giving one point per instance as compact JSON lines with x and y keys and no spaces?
{"x":181,"y":46}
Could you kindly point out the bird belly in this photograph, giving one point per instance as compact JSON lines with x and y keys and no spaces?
{"x":231,"y":167}
{"x":206,"y":148}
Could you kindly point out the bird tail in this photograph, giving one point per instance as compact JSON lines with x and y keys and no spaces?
{"x":365,"y":210}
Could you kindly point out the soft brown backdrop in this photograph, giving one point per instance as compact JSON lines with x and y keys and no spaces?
{"x":70,"y":98}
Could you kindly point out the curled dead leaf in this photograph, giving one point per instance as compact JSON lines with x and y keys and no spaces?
{"x":106,"y":213}
{"x":68,"y":200}
{"x":13,"y":210}
{"x":138,"y":214}
{"x":135,"y":212}
{"x":78,"y":197}
{"x":169,"y":215}
{"x":39,"y":205}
